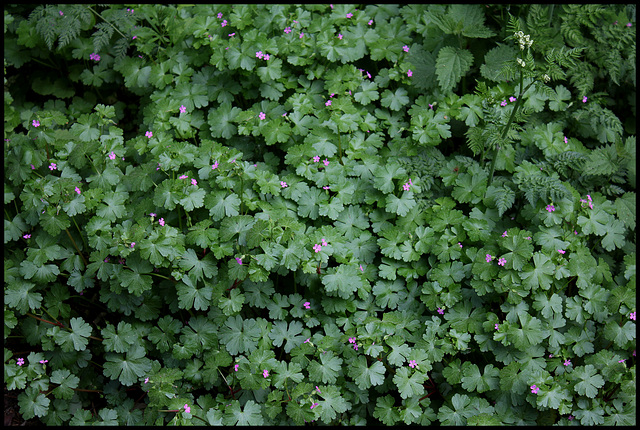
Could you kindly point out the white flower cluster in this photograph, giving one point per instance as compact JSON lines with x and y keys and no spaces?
{"x":521,"y":62}
{"x":523,"y":40}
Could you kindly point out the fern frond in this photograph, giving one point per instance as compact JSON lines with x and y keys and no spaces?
{"x":475,"y":140}
{"x":102,"y":36}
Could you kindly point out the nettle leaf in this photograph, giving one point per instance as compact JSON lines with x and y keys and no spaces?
{"x":451,"y":65}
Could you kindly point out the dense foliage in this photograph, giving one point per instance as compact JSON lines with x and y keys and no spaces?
{"x":279,"y":214}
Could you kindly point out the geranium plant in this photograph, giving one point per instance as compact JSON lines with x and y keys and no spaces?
{"x":337,"y":214}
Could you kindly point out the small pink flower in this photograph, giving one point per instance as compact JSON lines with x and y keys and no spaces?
{"x":259,"y":54}
{"x":412,"y":364}
{"x":219,"y":15}
{"x":409,"y":73}
{"x":26,"y":236}
{"x":355,"y":347}
{"x":265,"y":373}
{"x":33,"y":167}
{"x":231,"y":34}
{"x":262,"y":116}
{"x":317,"y":247}
{"x":567,"y":362}
{"x":301,"y":35}
{"x":370,"y":21}
{"x":283,"y":184}
{"x":621,"y":361}
{"x":632,"y":315}
{"x":584,"y":99}
{"x":460,"y":244}
{"x":36,"y":123}
{"x":287,"y":30}
{"x":77,"y":190}
{"x":326,"y":162}
{"x":183,"y":177}
{"x":53,"y":166}
{"x":502,"y":261}
{"x":405,"y":48}
{"x":352,"y":340}
{"x":488,"y":258}
{"x":214,"y":166}
{"x":571,"y":417}
{"x":316,"y":159}
{"x":589,"y":197}
{"x":328,"y":103}
{"x":326,"y":187}
{"x":43,"y":361}
{"x":266,"y":57}
{"x":152,"y":215}
{"x":550,"y":355}
{"x":133,"y":244}
{"x":112,"y":156}
{"x":512,"y":99}
{"x":307,"y":340}
{"x":187,"y":409}
{"x":314,"y":405}
{"x":406,"y":186}
{"x":146,"y":380}
{"x":324,"y":242}
{"x":504,"y":234}
{"x":340,"y":36}
{"x":496,"y":326}
{"x":20,"y":361}
{"x":534,"y":389}
{"x":561,"y":251}
{"x":61,"y":13}
{"x":628,"y":24}
{"x":503,"y":103}
{"x":134,"y":37}
{"x":550,"y":208}
{"x":224,"y":23}
{"x":183,"y":109}
{"x":239,"y":260}
{"x":194,"y":182}
{"x":440,"y":311}
{"x":361,"y":269}
{"x":236,"y":367}
{"x":349,"y":15}
{"x":566,"y":140}
{"x":149,"y":134}
{"x":161,"y":221}
{"x":307,"y":305}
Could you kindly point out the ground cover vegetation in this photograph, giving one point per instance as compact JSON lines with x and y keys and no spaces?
{"x":326,"y":214}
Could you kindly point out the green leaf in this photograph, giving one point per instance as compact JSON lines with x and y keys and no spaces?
{"x":220,"y":204}
{"x":345,"y":280}
{"x":33,"y":403}
{"x":409,"y":382}
{"x":119,"y":340}
{"x":394,"y":101}
{"x":366,"y":376}
{"x":327,"y":370}
{"x":540,"y":275}
{"x":239,"y":336}
{"x":279,"y":333}
{"x":615,"y":236}
{"x":400,"y":206}
{"x":626,"y":209}
{"x":77,"y":338}
{"x":532,"y":333}
{"x":367,"y":93}
{"x":332,"y":404}
{"x":234,"y":415}
{"x":18,"y":295}
{"x":191,"y":297}
{"x":233,"y":304}
{"x":66,"y":383}
{"x":588,"y":380}
{"x":385,"y":411}
{"x":451,"y":65}
{"x":284,"y":373}
{"x":553,"y":397}
{"x":621,"y":335}
{"x":196,"y":267}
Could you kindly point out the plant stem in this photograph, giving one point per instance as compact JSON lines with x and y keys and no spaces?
{"x":89,"y":7}
{"x":76,"y":246}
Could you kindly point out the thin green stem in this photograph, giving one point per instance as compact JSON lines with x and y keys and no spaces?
{"x":91,"y":9}
{"x":76,"y":246}
{"x":79,"y":232}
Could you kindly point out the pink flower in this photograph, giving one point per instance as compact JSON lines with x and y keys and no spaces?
{"x":632,"y":315}
{"x":561,"y":251}
{"x":352,"y":340}
{"x":152,"y":215}
{"x":231,"y":34}
{"x":496,"y":326}
{"x":318,"y":389}
{"x":409,"y":73}
{"x":183,"y":177}
{"x":370,"y":21}
{"x":316,"y":159}
{"x":43,"y":361}
{"x":262,"y":116}
{"x":287,"y":30}
{"x":149,"y":134}
{"x":239,"y":260}
{"x":566,"y":140}
{"x":265,"y":373}
{"x":571,"y":417}
{"x":503,"y":103}
{"x":224,"y":23}
{"x":307,"y":340}
{"x":361,"y":269}
{"x":259,"y":54}
{"x":534,"y":389}
{"x":584,"y":99}
{"x":501,"y":261}
{"x":183,"y":109}
{"x":301,"y":35}
{"x":589,"y":197}
{"x":36,"y":123}
{"x":628,"y":24}
{"x":326,"y":162}
{"x":349,"y":15}
{"x":33,"y":167}
{"x":26,"y":236}
{"x":61,"y":13}
{"x":440,"y":311}
{"x":236,"y":367}
{"x":161,"y":221}
{"x":326,"y":187}
{"x":550,"y":208}
{"x":405,"y":48}
{"x":355,"y":347}
{"x":412,"y":364}
{"x":266,"y":57}
{"x":146,"y":380}
{"x":504,"y":234}
{"x":77,"y":190}
{"x":283,"y":184}
{"x":340,"y":36}
{"x":53,"y":166}
{"x":328,"y":103}
{"x":20,"y":361}
{"x":324,"y":242}
{"x":112,"y":155}
{"x":317,"y":247}
{"x":621,"y":361}
{"x":219,"y":15}
{"x":567,"y":362}
{"x":214,"y":166}
{"x":488,"y":258}
{"x":460,"y":244}
{"x":187,"y":409}
{"x":194,"y":182}
{"x":512,"y":99}
{"x":133,"y":244}
{"x":314,"y":405}
{"x":307,"y":305}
